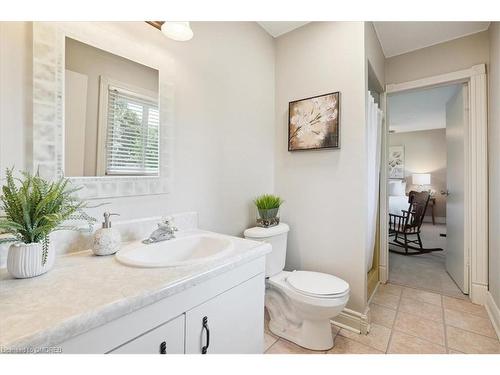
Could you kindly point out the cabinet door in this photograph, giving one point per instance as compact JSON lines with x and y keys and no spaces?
{"x":232,"y":322}
{"x":165,"y":339}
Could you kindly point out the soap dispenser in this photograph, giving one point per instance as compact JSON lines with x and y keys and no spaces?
{"x":107,"y":240}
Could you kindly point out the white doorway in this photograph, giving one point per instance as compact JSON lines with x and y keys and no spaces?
{"x":475,"y":177}
{"x":423,"y":125}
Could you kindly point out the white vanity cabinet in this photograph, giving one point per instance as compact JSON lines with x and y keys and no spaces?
{"x":228,"y":323}
{"x":232,"y":302}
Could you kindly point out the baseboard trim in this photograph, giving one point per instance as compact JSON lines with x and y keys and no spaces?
{"x":383,"y":274}
{"x":493,"y":312}
{"x":437,"y":219}
{"x":478,"y":293}
{"x":353,"y":321}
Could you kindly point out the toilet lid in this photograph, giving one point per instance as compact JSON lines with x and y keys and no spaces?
{"x":316,"y":283}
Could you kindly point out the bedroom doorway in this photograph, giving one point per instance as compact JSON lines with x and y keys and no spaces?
{"x":475,"y":176}
{"x":425,"y":196}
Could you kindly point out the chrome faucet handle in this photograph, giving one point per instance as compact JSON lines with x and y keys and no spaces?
{"x":169,"y":223}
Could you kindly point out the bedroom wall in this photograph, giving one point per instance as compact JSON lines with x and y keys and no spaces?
{"x":446,"y":57}
{"x":425,"y":152}
{"x":494,"y":162}
{"x":324,"y":191}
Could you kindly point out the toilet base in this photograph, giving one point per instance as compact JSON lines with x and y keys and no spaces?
{"x":313,"y":335}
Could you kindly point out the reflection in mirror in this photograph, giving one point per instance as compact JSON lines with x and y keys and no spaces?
{"x":111,"y":114}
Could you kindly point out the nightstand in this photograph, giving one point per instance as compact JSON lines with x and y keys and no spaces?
{"x":432,"y":203}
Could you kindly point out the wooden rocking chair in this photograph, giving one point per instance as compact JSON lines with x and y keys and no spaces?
{"x":401,"y":227}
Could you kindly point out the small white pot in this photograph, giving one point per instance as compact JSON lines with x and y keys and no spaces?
{"x":25,"y":260}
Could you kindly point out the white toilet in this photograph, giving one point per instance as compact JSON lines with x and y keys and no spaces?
{"x":300,"y":303}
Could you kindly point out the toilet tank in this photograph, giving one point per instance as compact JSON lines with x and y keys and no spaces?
{"x":276,"y":236}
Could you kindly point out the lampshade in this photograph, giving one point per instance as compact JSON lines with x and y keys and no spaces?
{"x":179,"y":30}
{"x":421,"y":178}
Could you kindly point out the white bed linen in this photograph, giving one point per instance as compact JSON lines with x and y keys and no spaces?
{"x":398,"y":203}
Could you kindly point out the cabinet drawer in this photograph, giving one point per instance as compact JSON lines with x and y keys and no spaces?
{"x":165,"y":339}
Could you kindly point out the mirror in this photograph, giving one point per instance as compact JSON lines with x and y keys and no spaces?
{"x":111,"y":125}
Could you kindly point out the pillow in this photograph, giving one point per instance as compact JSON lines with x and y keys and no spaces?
{"x":397,"y":188}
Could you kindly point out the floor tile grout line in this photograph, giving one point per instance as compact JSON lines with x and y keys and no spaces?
{"x":440,"y":292}
{"x":423,"y":318}
{"x":270,"y":346}
{"x":411,"y":334}
{"x":444,"y":327}
{"x":418,"y":337}
{"x":421,"y":301}
{"x":467,"y":312}
{"x":394,"y":323}
{"x":469,"y":331}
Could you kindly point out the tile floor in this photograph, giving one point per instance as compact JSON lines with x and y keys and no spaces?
{"x":426,"y":271}
{"x":409,"y":321}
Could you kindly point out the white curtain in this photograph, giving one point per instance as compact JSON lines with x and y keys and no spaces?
{"x":374,"y":141}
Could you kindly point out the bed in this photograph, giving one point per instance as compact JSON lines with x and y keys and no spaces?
{"x":398,"y":200}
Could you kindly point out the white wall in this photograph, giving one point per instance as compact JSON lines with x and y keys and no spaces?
{"x":15,"y":95}
{"x":425,"y":152}
{"x":494,"y":162}
{"x":375,"y":56}
{"x":441,"y":58}
{"x":224,"y":118}
{"x":324,"y":191}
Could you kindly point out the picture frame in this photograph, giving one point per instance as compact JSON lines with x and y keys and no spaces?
{"x":396,"y":162}
{"x":314,"y":123}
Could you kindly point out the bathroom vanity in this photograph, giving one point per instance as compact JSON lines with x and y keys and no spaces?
{"x":90,"y":304}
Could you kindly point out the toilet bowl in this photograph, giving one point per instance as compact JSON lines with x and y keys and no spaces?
{"x":300,"y":308}
{"x":300,"y":303}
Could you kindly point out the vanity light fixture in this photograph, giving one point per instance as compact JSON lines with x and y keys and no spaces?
{"x":177,"y":30}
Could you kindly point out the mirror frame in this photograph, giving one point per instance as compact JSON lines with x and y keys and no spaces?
{"x":49,"y":40}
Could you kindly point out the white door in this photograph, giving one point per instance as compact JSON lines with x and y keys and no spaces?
{"x":231,"y":323}
{"x":456,"y":123}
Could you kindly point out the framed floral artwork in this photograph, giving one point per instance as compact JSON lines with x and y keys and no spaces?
{"x":314,"y":123}
{"x":396,"y":162}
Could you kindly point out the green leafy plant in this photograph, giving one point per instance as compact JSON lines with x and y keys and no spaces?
{"x":268,"y":202}
{"x":34,"y":207}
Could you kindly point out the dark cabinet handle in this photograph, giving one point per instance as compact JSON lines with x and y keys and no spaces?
{"x":207,"y":330}
{"x":163,"y":348}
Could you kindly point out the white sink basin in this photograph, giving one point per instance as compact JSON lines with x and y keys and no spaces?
{"x":182,"y":251}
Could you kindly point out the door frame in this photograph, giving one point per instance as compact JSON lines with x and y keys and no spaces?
{"x":476,"y":176}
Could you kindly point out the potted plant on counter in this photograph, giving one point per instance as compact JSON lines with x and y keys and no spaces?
{"x":30,"y":211}
{"x":268,"y":206}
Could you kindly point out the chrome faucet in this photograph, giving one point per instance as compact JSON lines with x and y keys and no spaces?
{"x":165,"y":231}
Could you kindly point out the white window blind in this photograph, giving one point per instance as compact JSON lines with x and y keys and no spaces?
{"x":132,"y":139}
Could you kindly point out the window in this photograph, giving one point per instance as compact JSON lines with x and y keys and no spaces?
{"x":132,"y":133}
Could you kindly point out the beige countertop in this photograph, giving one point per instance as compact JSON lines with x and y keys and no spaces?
{"x":84,"y":291}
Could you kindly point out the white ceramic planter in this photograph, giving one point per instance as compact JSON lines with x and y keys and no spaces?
{"x":25,"y":260}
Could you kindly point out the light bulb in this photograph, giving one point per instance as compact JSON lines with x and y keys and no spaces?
{"x":177,"y":30}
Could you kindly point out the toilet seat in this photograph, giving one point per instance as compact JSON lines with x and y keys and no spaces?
{"x":281,"y":282}
{"x":317,"y":284}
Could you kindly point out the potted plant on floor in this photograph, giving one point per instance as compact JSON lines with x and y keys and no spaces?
{"x":268,"y":206}
{"x":31,"y":211}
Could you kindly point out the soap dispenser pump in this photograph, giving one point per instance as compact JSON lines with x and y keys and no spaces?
{"x":107,"y":240}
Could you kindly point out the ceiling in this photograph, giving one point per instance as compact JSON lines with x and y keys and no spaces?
{"x":397,"y":38}
{"x":277,"y":28}
{"x":420,"y":109}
